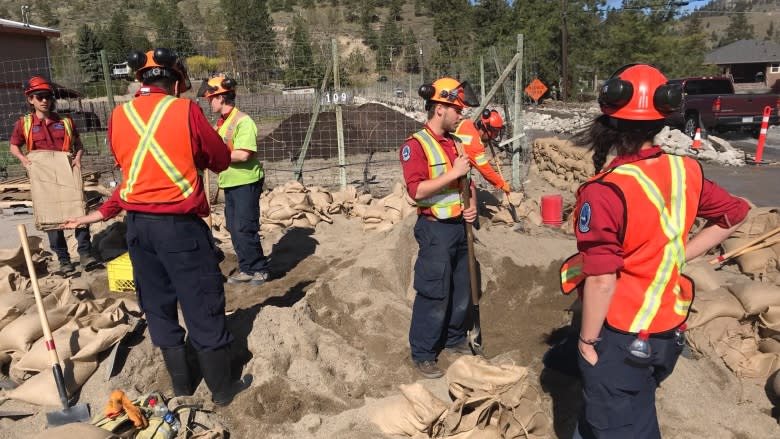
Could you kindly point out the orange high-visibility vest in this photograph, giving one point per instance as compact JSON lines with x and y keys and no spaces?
{"x":445,"y":203}
{"x":27,"y":124}
{"x":150,"y":137}
{"x":229,"y":126}
{"x":661,"y":196}
{"x":468,"y":134}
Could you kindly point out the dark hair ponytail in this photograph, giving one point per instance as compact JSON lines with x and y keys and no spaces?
{"x":626,"y":136}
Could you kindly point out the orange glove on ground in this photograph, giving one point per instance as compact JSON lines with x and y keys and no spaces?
{"x":134,"y":413}
{"x":114,"y":405}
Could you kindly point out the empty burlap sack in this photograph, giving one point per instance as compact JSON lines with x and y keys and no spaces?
{"x":759,"y":221}
{"x":711,"y":304}
{"x":374,"y":213}
{"x":320,"y":199}
{"x":755,"y":262}
{"x":411,"y":414}
{"x":42,"y":390}
{"x":737,"y":346}
{"x":56,"y":188}
{"x":769,"y":323}
{"x":756,"y":297}
{"x":703,"y":275}
{"x":76,"y":430}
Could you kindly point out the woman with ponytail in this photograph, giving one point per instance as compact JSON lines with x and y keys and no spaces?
{"x":633,"y":221}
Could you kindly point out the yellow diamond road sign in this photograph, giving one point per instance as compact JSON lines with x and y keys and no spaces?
{"x":536,"y":89}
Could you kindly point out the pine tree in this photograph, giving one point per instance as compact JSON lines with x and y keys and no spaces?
{"x":87,"y":49}
{"x":47,"y":16}
{"x":389,"y":45}
{"x":738,"y":28}
{"x":169,"y":27}
{"x":251,"y":29}
{"x":115,"y":37}
{"x":302,"y":69}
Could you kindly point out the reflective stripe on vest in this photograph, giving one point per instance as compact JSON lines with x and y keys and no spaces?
{"x":229,"y":126}
{"x":27,"y":132}
{"x":148,"y":144}
{"x":571,"y":273}
{"x":446,"y":203}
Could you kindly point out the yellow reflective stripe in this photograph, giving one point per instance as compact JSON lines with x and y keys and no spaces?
{"x":680,"y":306}
{"x":27,"y":127}
{"x":571,"y":273}
{"x":436,"y":158}
{"x":149,"y":144}
{"x":672,"y":224}
{"x":441,"y":199}
{"x":480,"y":159}
{"x":68,"y":126}
{"x":464,"y":138}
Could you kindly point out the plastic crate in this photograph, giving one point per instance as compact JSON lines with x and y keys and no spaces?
{"x":120,"y":274}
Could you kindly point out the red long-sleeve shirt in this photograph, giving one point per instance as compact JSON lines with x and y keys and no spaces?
{"x":601,"y":246}
{"x":208,"y":152}
{"x":47,"y":135}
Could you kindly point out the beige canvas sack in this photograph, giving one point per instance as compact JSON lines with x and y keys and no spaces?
{"x":411,"y":414}
{"x":56,"y":188}
{"x":756,"y":297}
{"x":713,"y":304}
{"x":41,"y":389}
{"x":703,"y":276}
{"x":76,"y":431}
{"x":755,"y":262}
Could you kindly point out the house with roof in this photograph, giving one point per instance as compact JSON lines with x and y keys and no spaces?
{"x":25,"y":53}
{"x":753,"y":65}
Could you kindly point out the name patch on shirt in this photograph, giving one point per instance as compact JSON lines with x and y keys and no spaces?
{"x":583,"y":222}
{"x":59,"y":126}
{"x":36,"y":128}
{"x":406,"y":153}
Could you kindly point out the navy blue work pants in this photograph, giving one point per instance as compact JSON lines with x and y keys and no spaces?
{"x":242,"y":215}
{"x":618,"y":393}
{"x":175,"y":262}
{"x":59,"y":245}
{"x":441,"y":278}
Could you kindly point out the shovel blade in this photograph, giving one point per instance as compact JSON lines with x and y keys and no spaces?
{"x":77,"y":413}
{"x":475,"y":334}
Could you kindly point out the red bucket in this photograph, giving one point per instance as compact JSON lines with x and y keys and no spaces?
{"x":552,"y":210}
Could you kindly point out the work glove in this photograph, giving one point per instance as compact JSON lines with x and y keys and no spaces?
{"x":134,"y":413}
{"x":506,"y":188}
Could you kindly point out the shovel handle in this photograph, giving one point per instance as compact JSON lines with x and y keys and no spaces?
{"x":465,"y":196}
{"x":732,"y":253}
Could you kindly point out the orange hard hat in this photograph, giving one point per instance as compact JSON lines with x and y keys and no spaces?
{"x":216,"y":86}
{"x":160,"y":62}
{"x":449,"y":91}
{"x":36,"y":85}
{"x":639,"y":92}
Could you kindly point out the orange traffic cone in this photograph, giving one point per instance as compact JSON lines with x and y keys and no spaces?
{"x":697,"y":139}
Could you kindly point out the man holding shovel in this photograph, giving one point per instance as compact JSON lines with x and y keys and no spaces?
{"x":433,"y":172}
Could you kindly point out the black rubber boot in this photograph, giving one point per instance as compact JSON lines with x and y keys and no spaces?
{"x":215,"y":367}
{"x":181,"y":377}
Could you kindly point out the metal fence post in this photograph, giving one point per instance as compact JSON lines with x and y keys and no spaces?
{"x":517,"y":127}
{"x":339,"y":116}
{"x":107,"y":78}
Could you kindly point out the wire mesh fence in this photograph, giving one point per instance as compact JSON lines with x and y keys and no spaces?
{"x":305,"y":117}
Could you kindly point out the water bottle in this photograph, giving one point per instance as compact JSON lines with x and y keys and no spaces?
{"x":159,"y":409}
{"x":640,"y":347}
{"x":679,"y":334}
{"x":173,"y":421}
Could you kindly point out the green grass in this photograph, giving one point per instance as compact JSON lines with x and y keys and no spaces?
{"x":94,"y":143}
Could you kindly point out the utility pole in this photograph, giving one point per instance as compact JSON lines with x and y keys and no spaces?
{"x":564,"y":53}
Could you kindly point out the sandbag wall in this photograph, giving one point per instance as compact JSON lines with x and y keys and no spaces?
{"x":561,"y":164}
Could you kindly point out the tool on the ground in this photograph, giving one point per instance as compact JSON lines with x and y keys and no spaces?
{"x":207,"y":188}
{"x":752,"y":248}
{"x":475,"y":335}
{"x":137,"y":329}
{"x":728,"y":255}
{"x":507,"y":201}
{"x":68,"y":414}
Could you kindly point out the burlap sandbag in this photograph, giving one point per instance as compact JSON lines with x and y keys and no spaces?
{"x":280,"y":213}
{"x":14,"y":257}
{"x":760,"y":365}
{"x":320,"y":199}
{"x":13,"y":304}
{"x":769,"y":346}
{"x":703,"y":275}
{"x":759,"y":221}
{"x":20,"y":334}
{"x":769,"y":323}
{"x":756,"y":297}
{"x":712,"y":304}
{"x":409,"y":415}
{"x":76,"y":430}
{"x":737,"y":346}
{"x":374,"y":212}
{"x":754,"y":262}
{"x":42,"y":390}
{"x":704,"y":338}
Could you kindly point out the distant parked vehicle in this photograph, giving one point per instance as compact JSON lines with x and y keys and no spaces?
{"x":399,"y":92}
{"x":120,"y":71}
{"x":711,"y":104}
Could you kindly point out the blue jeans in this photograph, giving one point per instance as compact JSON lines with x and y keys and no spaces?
{"x":242,"y":215}
{"x":60,"y":247}
{"x":440,"y":313}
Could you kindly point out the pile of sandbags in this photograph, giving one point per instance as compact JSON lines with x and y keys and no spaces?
{"x":561,"y":164}
{"x":762,"y":262}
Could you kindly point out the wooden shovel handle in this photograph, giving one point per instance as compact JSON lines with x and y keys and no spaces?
{"x":465,"y":197}
{"x":732,"y":253}
{"x":55,"y":360}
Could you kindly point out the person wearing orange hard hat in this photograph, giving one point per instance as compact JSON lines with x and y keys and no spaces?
{"x":432,"y":172}
{"x":632,"y":226}
{"x":242,"y":181}
{"x":473,"y":135}
{"x":161,"y":142}
{"x":44,"y":129}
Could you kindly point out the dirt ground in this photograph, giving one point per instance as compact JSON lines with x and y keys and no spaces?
{"x":326,"y":340}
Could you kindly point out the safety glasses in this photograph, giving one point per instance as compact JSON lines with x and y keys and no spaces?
{"x":46,"y":97}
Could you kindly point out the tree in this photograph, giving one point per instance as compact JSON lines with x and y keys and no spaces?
{"x":169,"y":27}
{"x":302,"y":68}
{"x":738,"y":28}
{"x":453,"y":28}
{"x":251,"y":29}
{"x":389,"y":45}
{"x":44,"y":12}
{"x":115,"y":37}
{"x":87,"y":48}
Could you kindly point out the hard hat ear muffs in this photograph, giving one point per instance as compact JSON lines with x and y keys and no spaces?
{"x":136,"y":60}
{"x":616,"y":93}
{"x":426,"y":91}
{"x":165,"y":57}
{"x":229,"y":84}
{"x":486,"y":113}
{"x":667,"y":98}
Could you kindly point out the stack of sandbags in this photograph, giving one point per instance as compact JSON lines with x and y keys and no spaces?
{"x":289,"y":205}
{"x":561,"y":164}
{"x":381,"y":214}
{"x":757,"y":263}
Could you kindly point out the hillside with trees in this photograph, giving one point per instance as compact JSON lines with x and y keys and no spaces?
{"x":288,"y":41}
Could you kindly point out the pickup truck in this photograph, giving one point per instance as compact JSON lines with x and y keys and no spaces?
{"x":710,"y":103}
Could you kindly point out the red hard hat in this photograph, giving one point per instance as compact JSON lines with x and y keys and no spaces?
{"x":37,"y":84}
{"x":639,"y":92}
{"x":491,"y":119}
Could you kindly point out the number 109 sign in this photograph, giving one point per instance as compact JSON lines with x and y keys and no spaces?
{"x":336,"y":98}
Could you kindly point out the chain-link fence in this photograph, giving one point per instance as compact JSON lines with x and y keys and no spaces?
{"x":312,"y":126}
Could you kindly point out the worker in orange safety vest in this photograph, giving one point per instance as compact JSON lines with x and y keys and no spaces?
{"x":473,"y":136}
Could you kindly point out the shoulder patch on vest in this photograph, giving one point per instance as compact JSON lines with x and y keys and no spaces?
{"x":406,"y":153}
{"x":583,"y":222}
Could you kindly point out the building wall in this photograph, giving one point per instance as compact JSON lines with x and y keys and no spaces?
{"x":22,"y":56}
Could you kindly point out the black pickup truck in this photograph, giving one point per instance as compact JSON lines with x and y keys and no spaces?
{"x":711,"y":104}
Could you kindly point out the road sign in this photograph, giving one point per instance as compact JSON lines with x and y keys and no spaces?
{"x":536,"y":89}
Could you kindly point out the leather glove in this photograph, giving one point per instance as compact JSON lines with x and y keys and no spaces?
{"x":506,"y":188}
{"x":114,"y":406}
{"x":134,"y":413}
